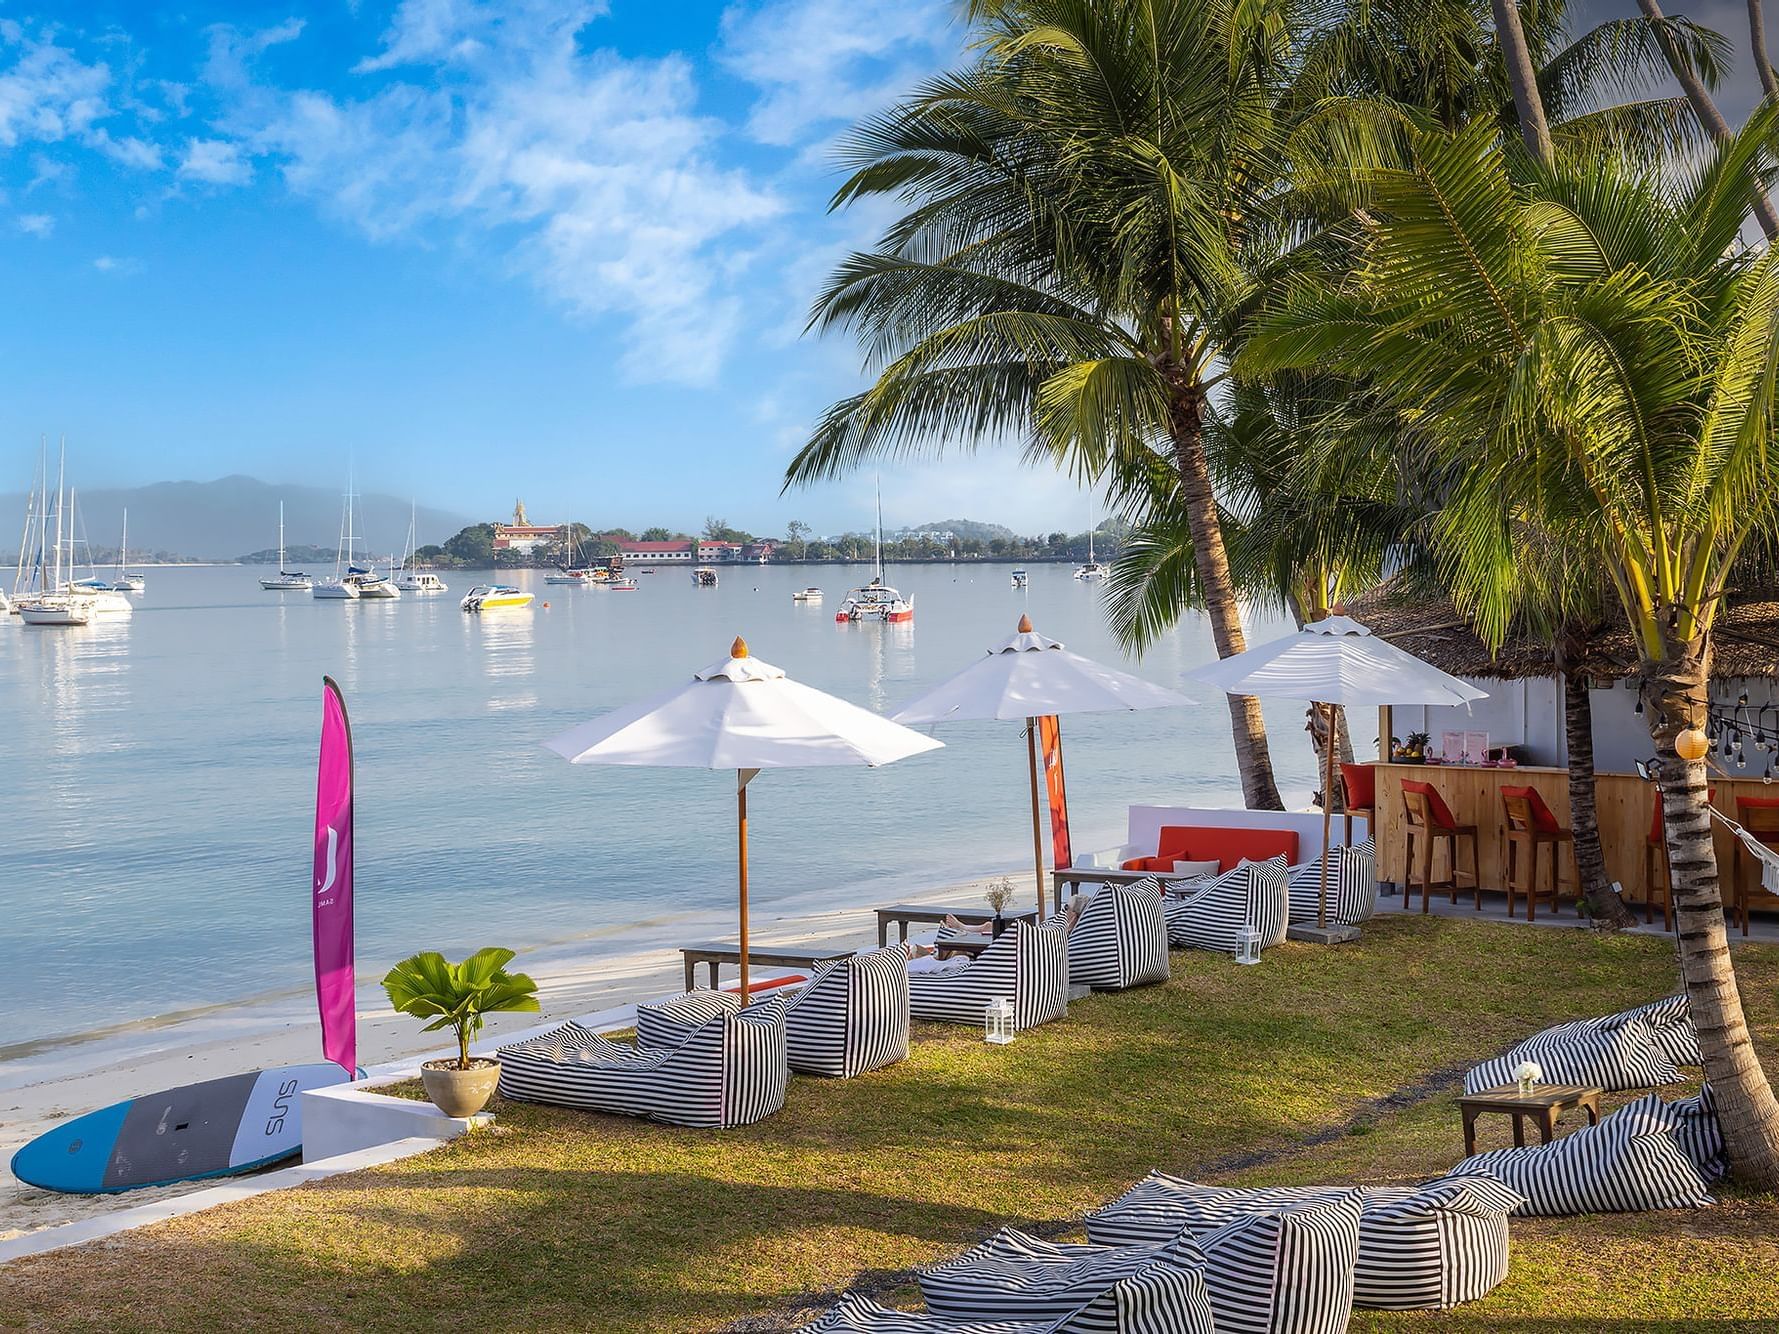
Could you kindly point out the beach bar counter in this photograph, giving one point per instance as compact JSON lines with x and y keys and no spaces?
{"x":1527,"y":716}
{"x":1626,"y":805}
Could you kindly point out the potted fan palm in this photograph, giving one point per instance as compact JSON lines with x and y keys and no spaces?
{"x":456,"y":996}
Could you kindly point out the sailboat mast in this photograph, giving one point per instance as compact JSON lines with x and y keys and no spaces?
{"x":280,"y":537}
{"x":123,"y":545}
{"x":877,"y":482}
{"x":61,"y":477}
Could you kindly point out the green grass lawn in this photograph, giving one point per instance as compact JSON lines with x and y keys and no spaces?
{"x":1318,"y":1065}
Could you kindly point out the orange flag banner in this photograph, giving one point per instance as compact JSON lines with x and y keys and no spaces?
{"x":1050,"y":734}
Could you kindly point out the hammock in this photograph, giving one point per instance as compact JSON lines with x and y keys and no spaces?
{"x":1767,"y":857}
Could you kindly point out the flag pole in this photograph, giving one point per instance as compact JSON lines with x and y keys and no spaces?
{"x":1327,"y":814}
{"x":1031,"y":757}
{"x":742,"y":778}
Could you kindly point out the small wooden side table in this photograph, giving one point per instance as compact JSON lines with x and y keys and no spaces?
{"x":1544,"y":1104}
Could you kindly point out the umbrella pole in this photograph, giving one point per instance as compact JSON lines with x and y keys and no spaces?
{"x":742,"y":778}
{"x":1031,"y":756}
{"x":1327,"y":814}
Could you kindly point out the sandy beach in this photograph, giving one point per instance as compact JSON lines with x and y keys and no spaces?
{"x":617,"y":966}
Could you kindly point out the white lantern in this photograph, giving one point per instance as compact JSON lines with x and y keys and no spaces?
{"x":1247,"y":945}
{"x":997,"y":1021}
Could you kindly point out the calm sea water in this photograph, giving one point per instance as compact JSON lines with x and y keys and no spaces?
{"x":157,"y":775}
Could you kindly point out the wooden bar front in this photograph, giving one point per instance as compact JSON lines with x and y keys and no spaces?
{"x":1626,"y":804}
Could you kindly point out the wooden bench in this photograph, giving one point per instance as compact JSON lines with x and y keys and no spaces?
{"x":714,"y":953}
{"x":903,"y":913}
{"x":1544,"y":1104}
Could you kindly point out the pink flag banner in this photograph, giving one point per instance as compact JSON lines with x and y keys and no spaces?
{"x":331,"y":903}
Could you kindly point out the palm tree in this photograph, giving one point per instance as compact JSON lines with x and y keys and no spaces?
{"x":1589,"y":350}
{"x":1087,"y":207}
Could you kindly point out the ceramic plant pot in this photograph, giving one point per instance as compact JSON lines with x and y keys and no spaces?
{"x":460,"y":1092}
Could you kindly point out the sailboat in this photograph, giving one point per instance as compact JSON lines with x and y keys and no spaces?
{"x":52,"y":602}
{"x":1093,"y":569}
{"x":287,"y":579}
{"x":122,"y":581}
{"x":570,"y":572}
{"x":352,"y":581}
{"x":107,"y":598}
{"x":876,"y":601}
{"x":409,"y":579}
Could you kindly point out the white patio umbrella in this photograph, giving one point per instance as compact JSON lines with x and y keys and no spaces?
{"x":1335,"y":661}
{"x":1031,"y":676}
{"x":745,"y":715}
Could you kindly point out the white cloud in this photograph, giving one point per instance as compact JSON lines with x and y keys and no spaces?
{"x":596,"y":170}
{"x":130,"y":150}
{"x":47,"y":93}
{"x":36,"y":224}
{"x":819,"y":63}
{"x":117,"y":264}
{"x":214,"y":162}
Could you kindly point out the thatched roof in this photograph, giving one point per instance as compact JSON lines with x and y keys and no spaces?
{"x":1745,"y":640}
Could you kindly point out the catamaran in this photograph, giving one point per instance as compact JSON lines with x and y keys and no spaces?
{"x":352,"y":581}
{"x":876,"y":601}
{"x":411,"y":580}
{"x":287,"y":579}
{"x":1093,"y":569}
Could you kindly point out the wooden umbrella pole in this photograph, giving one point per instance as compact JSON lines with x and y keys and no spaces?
{"x":1031,"y":756}
{"x":1327,"y":815}
{"x":742,"y":778}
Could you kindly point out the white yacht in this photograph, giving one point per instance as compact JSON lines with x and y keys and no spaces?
{"x":103,"y":597}
{"x":287,"y":580}
{"x":1093,"y":569}
{"x":704,"y":577}
{"x":807,"y":595}
{"x":55,"y":600}
{"x":123,"y":581}
{"x":352,"y":581}
{"x":1021,"y":579}
{"x":876,"y":601}
{"x":411,"y":580}
{"x":495,"y":597}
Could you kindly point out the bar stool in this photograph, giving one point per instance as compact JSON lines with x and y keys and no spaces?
{"x":1760,"y":817}
{"x":1655,"y":854}
{"x":1532,"y":827}
{"x":1358,"y":784}
{"x":1431,"y":819}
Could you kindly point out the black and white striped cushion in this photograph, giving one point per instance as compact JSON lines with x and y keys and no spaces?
{"x":672,"y":1021}
{"x":732,"y":1071}
{"x":1089,"y":1289}
{"x":854,"y":1314}
{"x":1120,"y":939}
{"x":1286,"y":1272}
{"x":1211,"y":915}
{"x":1630,"y":1162}
{"x":852,"y":1016}
{"x":1352,"y":886}
{"x":1671,"y":1028}
{"x":1616,"y":1053}
{"x":1028,"y":965}
{"x":1693,"y":1122}
{"x":1420,"y":1247}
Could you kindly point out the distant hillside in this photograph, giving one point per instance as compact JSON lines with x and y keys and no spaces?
{"x":227,"y":518}
{"x":964,"y":529}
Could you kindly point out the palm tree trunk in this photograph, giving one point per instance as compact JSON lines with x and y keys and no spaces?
{"x":1604,"y":907}
{"x":1187,"y":410}
{"x":1757,"y":33}
{"x":1700,"y":99}
{"x":1521,"y":73}
{"x":1746,"y":1108}
{"x":1317,"y":726}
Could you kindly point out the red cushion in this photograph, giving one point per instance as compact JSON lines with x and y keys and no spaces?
{"x":766,"y":984}
{"x":1150,"y":864}
{"x":1360,"y":782}
{"x":1437,"y":811}
{"x":1203,"y":843}
{"x":1747,"y":803}
{"x":1543,"y":819}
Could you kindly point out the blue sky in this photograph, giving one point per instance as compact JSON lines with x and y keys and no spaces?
{"x":555,"y":250}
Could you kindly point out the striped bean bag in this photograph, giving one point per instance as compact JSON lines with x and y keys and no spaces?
{"x":1616,"y":1053}
{"x":670,"y":1022}
{"x":1693,"y":1123}
{"x":1352,"y":886}
{"x":1285,"y":1272}
{"x":1211,"y":914}
{"x":852,"y":1016}
{"x":854,"y":1314}
{"x":1028,"y":965}
{"x":1120,"y":939}
{"x":1630,"y":1162}
{"x":1420,"y":1247}
{"x":1671,"y":1028}
{"x":731,"y":1071}
{"x":1087,"y":1289}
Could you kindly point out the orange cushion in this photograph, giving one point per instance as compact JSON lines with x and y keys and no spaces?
{"x":1227,"y":847}
{"x":1360,"y":782}
{"x":1543,"y":819}
{"x":1437,"y":811}
{"x":1150,"y":864}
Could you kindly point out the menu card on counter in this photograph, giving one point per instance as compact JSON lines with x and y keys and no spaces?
{"x":1466,"y":747}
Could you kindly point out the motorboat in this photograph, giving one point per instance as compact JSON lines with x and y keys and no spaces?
{"x":1021,"y":579}
{"x":807,"y":595}
{"x":622,"y":584}
{"x":704,"y":577}
{"x":421,"y":581}
{"x":876,"y":601}
{"x":287,"y":579}
{"x":495,"y":597}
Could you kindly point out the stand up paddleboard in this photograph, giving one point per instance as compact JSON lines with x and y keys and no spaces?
{"x":213,"y":1129}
